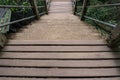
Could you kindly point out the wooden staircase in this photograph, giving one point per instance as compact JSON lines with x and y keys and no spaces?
{"x":59,"y":47}
{"x":59,"y":60}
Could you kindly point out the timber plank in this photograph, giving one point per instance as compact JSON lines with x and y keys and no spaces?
{"x":37,"y":42}
{"x":61,"y":63}
{"x":56,"y":72}
{"x":82,"y":55}
{"x":57,"y":48}
{"x":7,"y":78}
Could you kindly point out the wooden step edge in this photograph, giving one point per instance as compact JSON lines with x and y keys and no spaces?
{"x":55,"y":42}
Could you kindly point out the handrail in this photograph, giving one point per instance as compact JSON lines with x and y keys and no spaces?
{"x":106,"y":5}
{"x":84,"y":16}
{"x":16,"y":6}
{"x":36,"y":15}
{"x":102,"y":22}
{"x":23,"y":19}
{"x":96,"y":20}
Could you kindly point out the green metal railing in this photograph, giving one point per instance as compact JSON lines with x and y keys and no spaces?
{"x":35,"y":8}
{"x":114,"y":37}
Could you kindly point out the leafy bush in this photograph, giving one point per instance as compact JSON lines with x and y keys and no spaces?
{"x":106,"y":14}
{"x":15,"y":2}
{"x":19,"y":13}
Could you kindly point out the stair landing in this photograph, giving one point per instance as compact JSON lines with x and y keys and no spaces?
{"x":60,"y":24}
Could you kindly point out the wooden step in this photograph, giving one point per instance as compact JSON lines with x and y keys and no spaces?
{"x":61,"y":7}
{"x":112,"y":78}
{"x":47,"y":63}
{"x":56,"y":42}
{"x":58,"y":72}
{"x":58,"y":48}
{"x":59,"y":60}
{"x":61,"y":55}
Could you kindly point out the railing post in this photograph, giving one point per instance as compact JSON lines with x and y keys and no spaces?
{"x":114,"y":38}
{"x":35,"y":8}
{"x":75,"y":7}
{"x":84,"y":9}
{"x":46,"y":9}
{"x":3,"y":40}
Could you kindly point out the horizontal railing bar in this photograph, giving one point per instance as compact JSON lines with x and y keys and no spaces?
{"x":27,"y":18}
{"x":9,"y":23}
{"x":14,"y":6}
{"x":105,"y":23}
{"x":105,"y":5}
{"x":41,"y":6}
{"x":79,"y":6}
{"x":42,"y":13}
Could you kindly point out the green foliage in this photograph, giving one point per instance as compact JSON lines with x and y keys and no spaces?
{"x":103,"y":14}
{"x":106,"y":14}
{"x":20,"y":2}
{"x":15,"y":2}
{"x":41,"y":3}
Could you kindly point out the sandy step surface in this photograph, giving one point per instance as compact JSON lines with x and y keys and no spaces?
{"x":60,"y":24}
